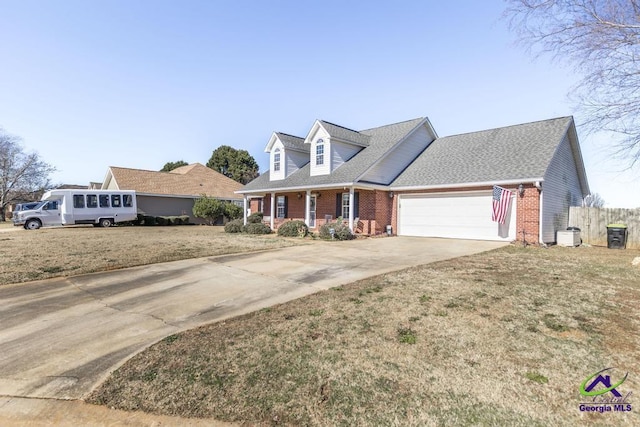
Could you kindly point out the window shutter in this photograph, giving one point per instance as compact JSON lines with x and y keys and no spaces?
{"x":338,"y":205}
{"x":286,"y":205}
{"x":356,"y":202}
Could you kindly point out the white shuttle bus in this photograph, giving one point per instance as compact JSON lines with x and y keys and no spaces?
{"x":102,"y":208}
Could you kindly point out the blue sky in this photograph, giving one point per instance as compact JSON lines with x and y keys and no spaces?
{"x":138,"y":83}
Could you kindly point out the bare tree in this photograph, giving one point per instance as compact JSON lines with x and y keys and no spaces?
{"x":594,"y":200}
{"x":21,"y":174}
{"x":601,"y":39}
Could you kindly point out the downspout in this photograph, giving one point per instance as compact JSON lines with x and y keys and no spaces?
{"x":541,"y":215}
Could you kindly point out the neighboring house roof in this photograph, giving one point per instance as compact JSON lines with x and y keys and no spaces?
{"x":516,"y":152}
{"x":293,"y":142}
{"x":71,"y":187}
{"x":191,"y":180}
{"x":381,"y":141}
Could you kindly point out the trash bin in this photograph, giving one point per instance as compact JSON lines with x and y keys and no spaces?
{"x":616,"y":236}
{"x":389,"y":230}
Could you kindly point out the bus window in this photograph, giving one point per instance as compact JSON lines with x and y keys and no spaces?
{"x":115,"y":200}
{"x":127,"y":200}
{"x":78,"y":201}
{"x":104,"y":201}
{"x":92,"y":201}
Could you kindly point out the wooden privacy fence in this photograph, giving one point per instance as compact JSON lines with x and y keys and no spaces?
{"x":593,"y":224}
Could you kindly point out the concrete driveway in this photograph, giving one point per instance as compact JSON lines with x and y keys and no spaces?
{"x":60,"y":338}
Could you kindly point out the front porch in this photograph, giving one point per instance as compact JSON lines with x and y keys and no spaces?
{"x":367,"y":212}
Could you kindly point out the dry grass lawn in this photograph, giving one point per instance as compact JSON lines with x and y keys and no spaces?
{"x":501,"y":338}
{"x":51,"y":252}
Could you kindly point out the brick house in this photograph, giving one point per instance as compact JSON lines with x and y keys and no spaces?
{"x":404,"y":176}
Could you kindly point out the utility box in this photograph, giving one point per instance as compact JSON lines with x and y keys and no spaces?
{"x":571,"y":237}
{"x":616,"y":236}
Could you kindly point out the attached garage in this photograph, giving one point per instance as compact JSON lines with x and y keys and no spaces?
{"x":453,"y":215}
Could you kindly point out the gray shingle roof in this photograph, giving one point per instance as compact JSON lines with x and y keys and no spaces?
{"x":381,"y":139}
{"x":346,"y":134}
{"x":508,"y":153}
{"x":293,"y":142}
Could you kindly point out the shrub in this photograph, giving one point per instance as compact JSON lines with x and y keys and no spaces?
{"x":184,"y":219}
{"x":234,"y":226}
{"x":256,"y":229}
{"x":149,"y":220}
{"x":162,"y":220}
{"x":293,"y":229}
{"x":232,"y":211}
{"x":208,"y":208}
{"x":341,"y":231}
{"x":255,"y":218}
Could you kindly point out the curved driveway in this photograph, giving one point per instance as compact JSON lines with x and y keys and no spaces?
{"x":60,"y":338}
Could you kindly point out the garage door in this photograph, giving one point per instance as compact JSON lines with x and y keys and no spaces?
{"x":454,"y":215}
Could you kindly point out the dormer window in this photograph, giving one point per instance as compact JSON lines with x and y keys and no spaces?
{"x":320,"y":152}
{"x":276,"y":160}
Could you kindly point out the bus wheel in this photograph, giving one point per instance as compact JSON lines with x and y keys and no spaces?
{"x":33,"y":224}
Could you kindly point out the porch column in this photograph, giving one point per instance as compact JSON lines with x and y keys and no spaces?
{"x":307,"y":208}
{"x":351,"y":208}
{"x":244,"y":210}
{"x":273,"y":209}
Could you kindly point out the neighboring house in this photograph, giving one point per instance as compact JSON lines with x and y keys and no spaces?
{"x":404,"y":176}
{"x":174,"y":192}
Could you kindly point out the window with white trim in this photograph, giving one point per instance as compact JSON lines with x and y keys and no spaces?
{"x":280,"y":206}
{"x":276,"y":160}
{"x":320,"y":152}
{"x":345,"y":205}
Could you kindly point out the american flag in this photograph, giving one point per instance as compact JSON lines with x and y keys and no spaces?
{"x":501,"y":200}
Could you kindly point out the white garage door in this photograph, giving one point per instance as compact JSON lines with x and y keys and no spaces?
{"x":454,"y":215}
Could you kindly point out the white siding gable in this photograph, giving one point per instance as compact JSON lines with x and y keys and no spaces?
{"x":400,"y":157}
{"x":341,"y":152}
{"x":294,"y":161}
{"x":325,"y":168}
{"x":277,"y":148}
{"x":560,"y":189}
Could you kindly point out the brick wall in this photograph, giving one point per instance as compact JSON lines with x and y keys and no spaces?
{"x":528,"y":215}
{"x":374,"y":208}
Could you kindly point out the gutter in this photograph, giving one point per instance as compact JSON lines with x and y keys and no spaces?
{"x":316,"y":187}
{"x":466,"y":184}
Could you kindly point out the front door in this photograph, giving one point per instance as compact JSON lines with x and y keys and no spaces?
{"x":312,"y":212}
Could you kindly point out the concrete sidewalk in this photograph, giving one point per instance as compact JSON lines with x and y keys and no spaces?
{"x":60,"y":338}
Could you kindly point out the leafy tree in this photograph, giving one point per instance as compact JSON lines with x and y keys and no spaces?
{"x":238,"y":165}
{"x":169,"y":166}
{"x":208,"y":208}
{"x":21,"y":174}
{"x":601,"y":38}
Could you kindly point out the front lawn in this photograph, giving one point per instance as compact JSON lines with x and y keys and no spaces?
{"x":65,"y":251}
{"x":500,"y":338}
